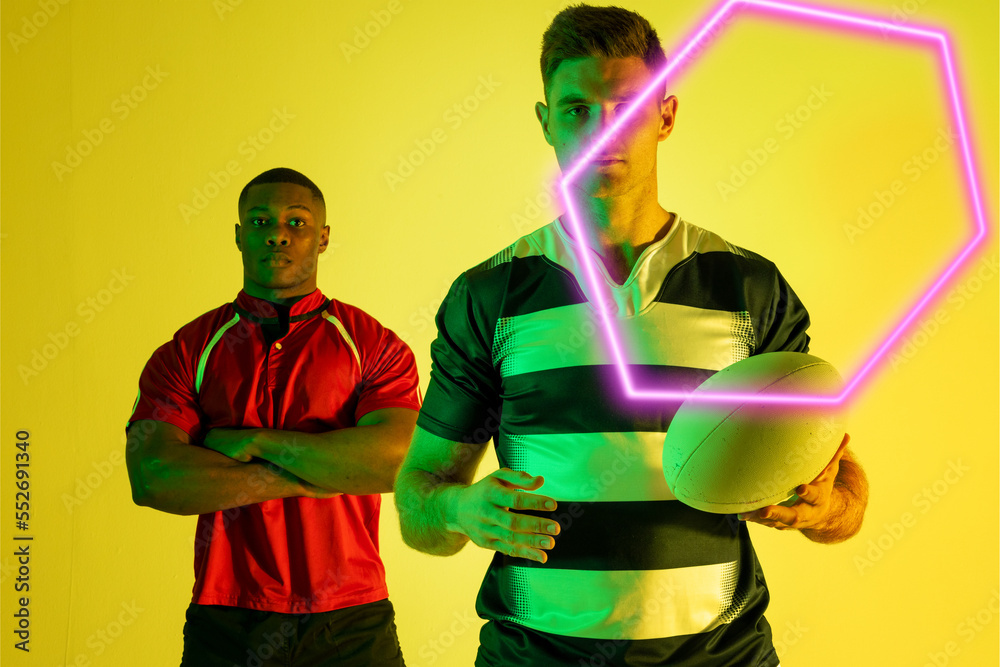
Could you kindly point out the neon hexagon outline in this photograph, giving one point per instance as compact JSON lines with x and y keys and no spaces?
{"x":816,"y":15}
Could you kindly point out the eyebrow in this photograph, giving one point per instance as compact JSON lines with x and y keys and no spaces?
{"x":576,"y":98}
{"x":267,"y":209}
{"x":572,"y":99}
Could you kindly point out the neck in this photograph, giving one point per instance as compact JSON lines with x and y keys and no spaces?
{"x":283,"y":297}
{"x":620,"y":228}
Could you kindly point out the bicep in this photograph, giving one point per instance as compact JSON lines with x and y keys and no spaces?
{"x":446,"y":459}
{"x":168,"y":391}
{"x":149,"y":445}
{"x":146,"y":438}
{"x":395,"y":428}
{"x":395,"y":418}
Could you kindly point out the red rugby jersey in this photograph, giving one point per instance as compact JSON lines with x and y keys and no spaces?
{"x":335,"y":364}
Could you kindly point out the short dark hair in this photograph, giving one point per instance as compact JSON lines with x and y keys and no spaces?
{"x":281,"y":175}
{"x":583,"y":31}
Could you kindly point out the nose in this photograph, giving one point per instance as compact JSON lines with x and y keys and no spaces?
{"x":608,"y":116}
{"x":277,"y":236}
{"x":602,"y":121}
{"x":605,"y":116}
{"x":599,"y":125}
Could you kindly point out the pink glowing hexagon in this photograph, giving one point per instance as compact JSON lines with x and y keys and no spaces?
{"x":932,"y":38}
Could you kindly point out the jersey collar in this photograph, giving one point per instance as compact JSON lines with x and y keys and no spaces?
{"x":262,"y":311}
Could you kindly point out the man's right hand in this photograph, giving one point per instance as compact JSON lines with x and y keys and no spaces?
{"x":481,"y":511}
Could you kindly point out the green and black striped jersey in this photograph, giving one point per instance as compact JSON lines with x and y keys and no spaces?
{"x":635,"y":577}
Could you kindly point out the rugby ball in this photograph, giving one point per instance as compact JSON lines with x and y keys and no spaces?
{"x":743,"y":454}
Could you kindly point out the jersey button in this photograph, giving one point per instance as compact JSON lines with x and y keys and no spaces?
{"x":277,"y":346}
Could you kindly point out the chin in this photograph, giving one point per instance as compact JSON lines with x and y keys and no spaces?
{"x":601,"y":190}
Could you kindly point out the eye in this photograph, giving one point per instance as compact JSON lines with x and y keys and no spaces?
{"x":257,"y":222}
{"x":578,"y":111}
{"x":297,"y":222}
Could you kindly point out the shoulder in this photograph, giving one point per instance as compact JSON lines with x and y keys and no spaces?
{"x":175,"y":362}
{"x":197,"y":334}
{"x":360,"y":327}
{"x":707,"y":247}
{"x":703,"y":241}
{"x":479,"y":294}
{"x":346,"y":311}
{"x":529,"y":254}
{"x":351,"y":317}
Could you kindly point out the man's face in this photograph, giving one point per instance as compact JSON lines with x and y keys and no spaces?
{"x":282,"y":230}
{"x":586,"y":96}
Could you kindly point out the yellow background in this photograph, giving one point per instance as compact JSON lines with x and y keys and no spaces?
{"x":895,"y":594}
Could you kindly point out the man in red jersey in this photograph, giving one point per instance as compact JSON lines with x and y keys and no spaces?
{"x":279,"y":418}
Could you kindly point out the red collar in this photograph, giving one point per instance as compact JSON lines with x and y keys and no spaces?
{"x":263,"y":311}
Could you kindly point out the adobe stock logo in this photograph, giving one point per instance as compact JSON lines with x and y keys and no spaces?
{"x":870,"y":27}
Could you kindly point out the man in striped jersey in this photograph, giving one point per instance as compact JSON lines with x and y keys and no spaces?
{"x":606,"y":567}
{"x":279,"y":418}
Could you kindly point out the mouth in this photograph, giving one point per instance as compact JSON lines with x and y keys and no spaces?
{"x":276,"y":259}
{"x":606,"y":161}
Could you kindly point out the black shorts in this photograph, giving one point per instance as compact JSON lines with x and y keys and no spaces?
{"x":359,"y":636}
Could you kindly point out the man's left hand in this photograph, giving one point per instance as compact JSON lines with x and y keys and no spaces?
{"x":814,"y":505}
{"x":236,"y":443}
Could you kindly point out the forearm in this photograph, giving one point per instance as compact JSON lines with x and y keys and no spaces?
{"x":359,"y":460}
{"x":189,"y":479}
{"x":848,"y":499}
{"x":346,"y":460}
{"x":427,"y":512}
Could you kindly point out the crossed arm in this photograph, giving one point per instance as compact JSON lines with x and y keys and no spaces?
{"x":234,"y":467}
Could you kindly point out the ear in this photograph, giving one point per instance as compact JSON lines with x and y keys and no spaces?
{"x":542,"y":114}
{"x":668,"y":114}
{"x":239,"y":246}
{"x":324,"y":238}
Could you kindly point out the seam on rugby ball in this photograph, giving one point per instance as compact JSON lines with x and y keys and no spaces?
{"x":737,"y":409}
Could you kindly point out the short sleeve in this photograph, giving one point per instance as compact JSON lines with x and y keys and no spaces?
{"x":785,"y":322}
{"x":463,"y":398}
{"x":167,"y":392}
{"x":388,"y":373}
